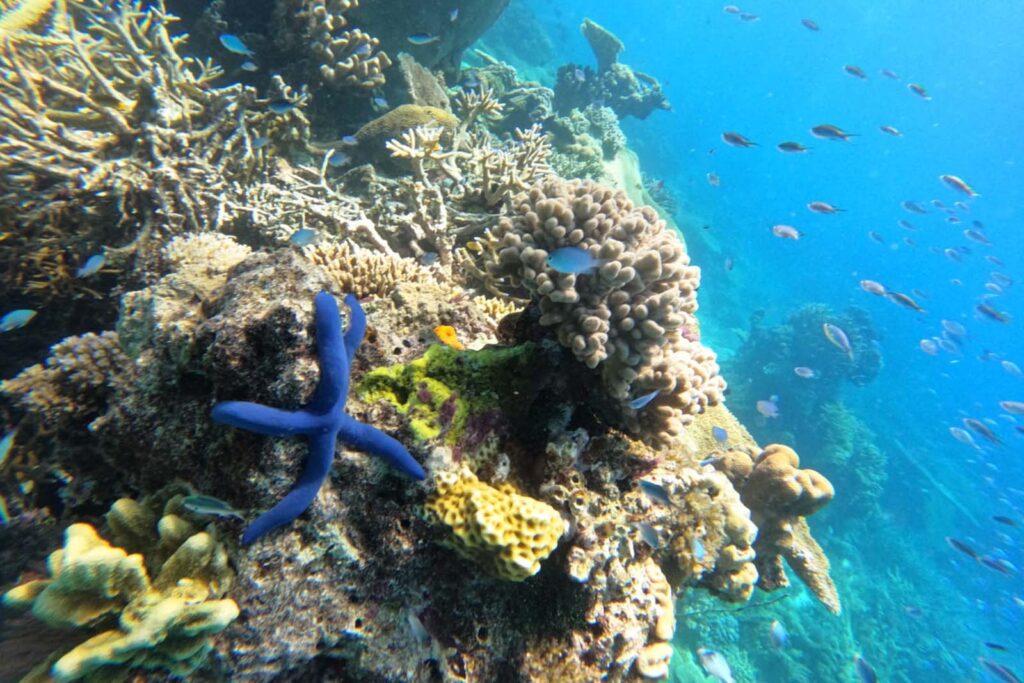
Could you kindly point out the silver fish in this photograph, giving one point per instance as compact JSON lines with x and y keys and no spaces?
{"x":208,"y":505}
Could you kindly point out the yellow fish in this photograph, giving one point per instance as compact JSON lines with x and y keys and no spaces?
{"x":447,"y":336}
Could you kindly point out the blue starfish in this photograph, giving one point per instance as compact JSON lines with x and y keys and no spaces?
{"x":322,"y":420}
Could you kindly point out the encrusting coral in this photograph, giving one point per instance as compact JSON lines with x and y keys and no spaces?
{"x":780,"y":496}
{"x":506,"y":531}
{"x":632,"y":317}
{"x":164,"y":623}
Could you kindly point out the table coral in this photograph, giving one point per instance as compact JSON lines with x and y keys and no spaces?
{"x":502,"y":529}
{"x":166,"y":623}
{"x":629,"y":318}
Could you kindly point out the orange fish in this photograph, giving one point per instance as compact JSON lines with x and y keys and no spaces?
{"x":446,"y":335}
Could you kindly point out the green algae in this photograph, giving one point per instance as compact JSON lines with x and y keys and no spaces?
{"x":441,"y":389}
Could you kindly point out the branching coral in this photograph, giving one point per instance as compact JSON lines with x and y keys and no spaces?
{"x":362,"y":272}
{"x":496,"y":172}
{"x":164,"y":623}
{"x":631,"y":317}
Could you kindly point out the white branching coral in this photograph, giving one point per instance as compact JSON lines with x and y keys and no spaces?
{"x":498,"y":172}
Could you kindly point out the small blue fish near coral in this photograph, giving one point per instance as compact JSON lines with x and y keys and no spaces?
{"x":91,"y":266}
{"x":6,"y":444}
{"x":350,"y":140}
{"x":233,"y":43}
{"x":453,"y":15}
{"x":697,"y":548}
{"x":721,"y":436}
{"x":778,"y":635}
{"x":337,"y":159}
{"x":655,"y":492}
{"x":864,"y":670}
{"x":303,"y":237}
{"x":209,"y":506}
{"x":250,"y":66}
{"x":649,"y":535}
{"x":16,"y":319}
{"x":281,"y":106}
{"x":363,"y":49}
{"x":641,"y":401}
{"x":572,"y":260}
{"x":423,"y":38}
{"x":260,"y":142}
{"x":380,"y":102}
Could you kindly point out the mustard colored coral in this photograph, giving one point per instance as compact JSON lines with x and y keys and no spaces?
{"x":498,"y":527}
{"x":163,"y":624}
{"x":23,"y":14}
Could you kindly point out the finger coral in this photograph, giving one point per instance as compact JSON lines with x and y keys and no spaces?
{"x":632,"y":317}
{"x":502,"y":529}
{"x":166,"y":623}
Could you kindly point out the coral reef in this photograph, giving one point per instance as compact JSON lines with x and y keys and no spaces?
{"x":497,"y":527}
{"x":163,"y":624}
{"x":631,"y":317}
{"x":615,"y":85}
{"x":363,"y":272}
{"x":780,"y":497}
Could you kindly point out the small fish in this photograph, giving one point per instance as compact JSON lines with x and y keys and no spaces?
{"x":837,"y":337}
{"x":919,"y":293}
{"x":281,"y":106}
{"x":905,"y":224}
{"x":778,"y":635}
{"x":982,"y":429}
{"x":16,"y":319}
{"x":260,"y":142}
{"x":891,"y":130}
{"x":697,"y":549}
{"x":708,"y":460}
{"x":929,"y":347}
{"x":994,"y":288}
{"x":1013,"y":407}
{"x":889,"y":73}
{"x":747,"y":16}
{"x":363,"y":49}
{"x":954,"y":328}
{"x":6,"y":444}
{"x":338,"y":159}
{"x":1002,"y":566}
{"x":952,"y":219}
{"x":767,"y":408}
{"x":953,"y":255}
{"x":786,"y":232}
{"x":1007,"y":365}
{"x":864,"y":670}
{"x":999,"y":671}
{"x":823,"y":207}
{"x":855,"y":71}
{"x":655,"y":491}
{"x":419,"y":631}
{"x":249,"y":65}
{"x":905,"y":301}
{"x":350,"y":140}
{"x":875,"y":237}
{"x":380,"y":102}
{"x":810,"y":24}
{"x":731,"y":9}
{"x":805,"y":373}
{"x":422,"y":38}
{"x":956,"y":282}
{"x":737,"y":140}
{"x":649,"y":535}
{"x":976,"y":236}
{"x":919,"y":90}
{"x":208,"y":505}
{"x":447,"y":335}
{"x":791,"y":147}
{"x":912,"y":206}
{"x":720,"y":435}
{"x":827,"y":131}
{"x":303,"y":237}
{"x":1002,"y":279}
{"x":580,"y":75}
{"x":233,"y":43}
{"x":713,"y":179}
{"x":572,"y":260}
{"x":959,"y":184}
{"x":453,"y":15}
{"x":91,"y":266}
{"x":1002,"y":519}
{"x":728,"y":264}
{"x":872,"y":287}
{"x":996,"y":646}
{"x":641,"y":401}
{"x":715,"y":665}
{"x":429,"y":258}
{"x":984,"y":309}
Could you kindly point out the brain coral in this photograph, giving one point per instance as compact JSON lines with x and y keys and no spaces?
{"x":632,"y":317}
{"x":509,"y":532}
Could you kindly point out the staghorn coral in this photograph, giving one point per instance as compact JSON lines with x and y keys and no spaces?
{"x":21,"y":14}
{"x":495,"y":172}
{"x":498,"y":527}
{"x":780,"y":497}
{"x":362,"y":272}
{"x":165,"y":623}
{"x":374,"y":135}
{"x":629,"y":317}
{"x":75,"y":382}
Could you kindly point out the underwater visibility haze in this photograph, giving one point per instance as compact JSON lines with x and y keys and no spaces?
{"x":509,"y":340}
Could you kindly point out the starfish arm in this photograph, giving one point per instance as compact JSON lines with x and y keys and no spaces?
{"x":363,"y":437}
{"x":318,"y":464}
{"x":356,"y":326}
{"x":256,"y":417}
{"x":334,"y":358}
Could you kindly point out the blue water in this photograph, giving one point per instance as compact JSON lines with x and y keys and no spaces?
{"x":772,"y":80}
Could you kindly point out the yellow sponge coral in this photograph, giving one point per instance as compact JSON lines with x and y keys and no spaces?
{"x":498,"y":527}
